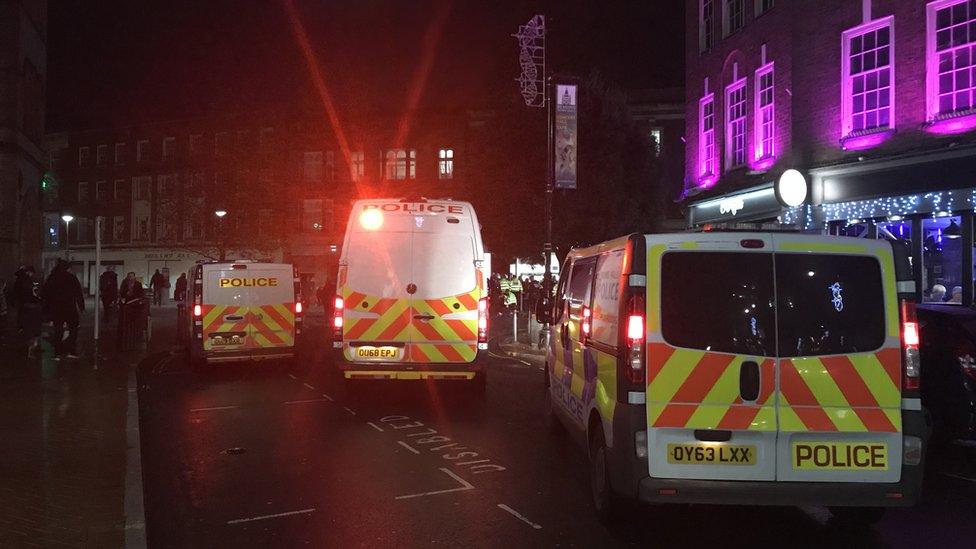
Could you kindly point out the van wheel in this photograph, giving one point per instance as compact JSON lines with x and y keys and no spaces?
{"x":603,"y":498}
{"x":553,"y":424}
{"x":857,"y":516}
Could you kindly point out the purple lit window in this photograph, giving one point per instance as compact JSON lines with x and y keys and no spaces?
{"x":706,"y":142}
{"x":734,"y":15}
{"x":735,"y":129}
{"x":868,"y":53}
{"x":954,"y":56}
{"x":765,"y":113}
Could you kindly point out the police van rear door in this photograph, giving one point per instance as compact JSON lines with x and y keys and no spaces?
{"x":710,"y":357}
{"x":272,"y":305}
{"x":839,"y":403}
{"x":225,"y":308}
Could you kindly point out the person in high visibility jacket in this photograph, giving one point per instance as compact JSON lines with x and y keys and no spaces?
{"x":507,"y":287}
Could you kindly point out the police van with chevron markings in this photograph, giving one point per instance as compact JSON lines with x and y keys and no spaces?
{"x":756,"y":368}
{"x":242,"y":311}
{"x":411,"y":299}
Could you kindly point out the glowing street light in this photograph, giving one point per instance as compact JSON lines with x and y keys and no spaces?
{"x":220,"y":233}
{"x":67,"y":218}
{"x":220,"y":213}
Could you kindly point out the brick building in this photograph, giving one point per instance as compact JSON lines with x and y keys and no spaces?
{"x":285,"y":182}
{"x":873,"y":102}
{"x":23,"y":69}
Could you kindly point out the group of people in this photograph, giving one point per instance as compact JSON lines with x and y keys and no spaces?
{"x":58,"y":299}
{"x":514,"y":293}
{"x":938,"y":294}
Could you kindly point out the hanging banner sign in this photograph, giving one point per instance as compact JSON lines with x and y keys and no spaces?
{"x":565,"y":136}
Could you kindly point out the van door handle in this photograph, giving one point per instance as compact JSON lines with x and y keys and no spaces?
{"x":749,"y":380}
{"x":424,"y":317}
{"x":233,"y":318}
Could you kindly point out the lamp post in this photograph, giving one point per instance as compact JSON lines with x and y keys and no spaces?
{"x":220,"y":232}
{"x":67,"y":218}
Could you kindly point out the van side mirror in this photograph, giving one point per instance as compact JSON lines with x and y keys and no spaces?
{"x":543,"y":310}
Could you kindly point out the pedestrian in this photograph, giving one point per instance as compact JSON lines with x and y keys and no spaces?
{"x":131,"y":299}
{"x":156,"y":285}
{"x":26,"y":297}
{"x":65,"y":300}
{"x":108,"y":290}
{"x":180,"y":293}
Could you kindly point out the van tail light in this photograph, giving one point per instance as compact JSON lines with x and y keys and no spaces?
{"x":636,"y":336}
{"x":197,"y":303}
{"x":197,"y":311}
{"x":298,"y":307}
{"x":338,"y":306}
{"x":586,"y":323}
{"x":909,"y":346}
{"x":483,"y":321}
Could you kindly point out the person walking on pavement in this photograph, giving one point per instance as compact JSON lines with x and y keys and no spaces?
{"x":65,"y":300}
{"x":156,"y":285}
{"x":26,"y":297}
{"x":108,"y":290}
{"x":180,"y":293}
{"x":131,"y":297}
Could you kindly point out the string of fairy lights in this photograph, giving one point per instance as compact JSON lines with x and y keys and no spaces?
{"x":892,"y":208}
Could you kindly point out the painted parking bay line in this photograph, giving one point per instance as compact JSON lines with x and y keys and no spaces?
{"x":306,"y":401}
{"x":519,"y":516}
{"x":465,"y":485}
{"x":213,"y":408}
{"x":276,"y":515}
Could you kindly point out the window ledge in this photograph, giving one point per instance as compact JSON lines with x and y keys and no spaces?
{"x":953,"y":123}
{"x":866,"y":139}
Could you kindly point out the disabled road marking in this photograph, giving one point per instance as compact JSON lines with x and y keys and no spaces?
{"x":276,"y":515}
{"x":374,"y":426}
{"x":213,"y":408}
{"x":306,"y":401}
{"x":408,"y":447}
{"x":519,"y":516}
{"x":960,"y":477}
{"x":465,"y":485}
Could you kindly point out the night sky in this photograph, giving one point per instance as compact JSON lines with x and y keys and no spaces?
{"x":117,"y":62}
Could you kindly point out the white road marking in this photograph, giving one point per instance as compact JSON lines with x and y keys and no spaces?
{"x":292,"y":376}
{"x":374,"y":426}
{"x":524,"y":362}
{"x":213,"y":408}
{"x":960,"y":477}
{"x":304,"y":401}
{"x":519,"y":516}
{"x":465,"y":485}
{"x":408,"y":447}
{"x":348,"y":410}
{"x":276,"y":515}
{"x":327,"y":397}
{"x":309,"y":386}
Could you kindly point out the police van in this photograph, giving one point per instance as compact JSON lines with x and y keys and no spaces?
{"x":741,"y":368}
{"x":411,"y":297}
{"x":242,"y":311}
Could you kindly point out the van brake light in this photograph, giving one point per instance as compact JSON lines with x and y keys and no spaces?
{"x":586,"y":322}
{"x":337,"y":310}
{"x":298,"y":307}
{"x":197,"y":311}
{"x":636,"y":335}
{"x":910,"y":340}
{"x":635,"y":327}
{"x":483,"y":320}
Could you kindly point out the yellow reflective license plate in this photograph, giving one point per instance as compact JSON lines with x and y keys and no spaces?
{"x":377,"y":352}
{"x":825,"y":455}
{"x":710,"y":453}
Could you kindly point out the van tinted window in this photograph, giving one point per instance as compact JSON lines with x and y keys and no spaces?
{"x":581,"y":281}
{"x":718,"y":301}
{"x":829,"y":304}
{"x":606,"y":297}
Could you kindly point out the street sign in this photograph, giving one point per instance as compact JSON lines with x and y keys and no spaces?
{"x":566,"y":136}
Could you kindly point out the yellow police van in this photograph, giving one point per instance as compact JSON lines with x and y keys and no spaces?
{"x":741,"y":368}
{"x":242,"y":311}
{"x":411,"y":297}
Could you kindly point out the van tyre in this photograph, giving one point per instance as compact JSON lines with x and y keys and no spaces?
{"x":855,"y":517}
{"x":553,"y":424}
{"x":604,"y":500}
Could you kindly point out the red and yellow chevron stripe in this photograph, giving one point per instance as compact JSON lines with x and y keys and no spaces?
{"x":264,"y":325}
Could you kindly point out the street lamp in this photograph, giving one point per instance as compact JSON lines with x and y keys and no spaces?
{"x":220,"y":232}
{"x":67,"y":218}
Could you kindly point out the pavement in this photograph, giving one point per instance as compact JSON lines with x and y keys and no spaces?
{"x":64,"y":452}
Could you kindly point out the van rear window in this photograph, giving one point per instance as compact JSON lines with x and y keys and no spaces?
{"x":829,"y":304}
{"x":718,"y":301}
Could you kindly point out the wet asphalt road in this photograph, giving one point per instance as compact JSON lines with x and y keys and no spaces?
{"x":259,"y":455}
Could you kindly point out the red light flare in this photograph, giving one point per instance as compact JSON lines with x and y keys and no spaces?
{"x":318,"y":79}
